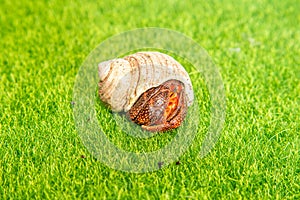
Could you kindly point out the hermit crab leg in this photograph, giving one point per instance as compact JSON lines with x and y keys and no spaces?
{"x":175,"y":111}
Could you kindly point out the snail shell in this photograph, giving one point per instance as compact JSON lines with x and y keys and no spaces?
{"x":124,"y":80}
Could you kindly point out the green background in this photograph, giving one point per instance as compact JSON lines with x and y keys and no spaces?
{"x":255,"y":46}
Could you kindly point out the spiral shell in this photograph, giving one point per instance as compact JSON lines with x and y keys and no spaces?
{"x":123,"y":80}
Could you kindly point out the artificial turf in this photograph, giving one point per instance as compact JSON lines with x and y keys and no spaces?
{"x":255,"y":45}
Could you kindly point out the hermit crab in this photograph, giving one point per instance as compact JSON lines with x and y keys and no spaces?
{"x":151,"y":88}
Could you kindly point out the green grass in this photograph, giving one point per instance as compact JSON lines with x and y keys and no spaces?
{"x":42,"y":46}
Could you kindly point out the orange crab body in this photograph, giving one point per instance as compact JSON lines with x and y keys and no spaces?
{"x":160,"y":108}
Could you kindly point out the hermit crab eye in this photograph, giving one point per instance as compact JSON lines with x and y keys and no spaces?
{"x":159,"y":102}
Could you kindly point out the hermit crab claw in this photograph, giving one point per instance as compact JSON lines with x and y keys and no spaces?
{"x":152,"y":88}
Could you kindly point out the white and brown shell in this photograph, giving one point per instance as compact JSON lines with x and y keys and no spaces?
{"x":123,"y":80}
